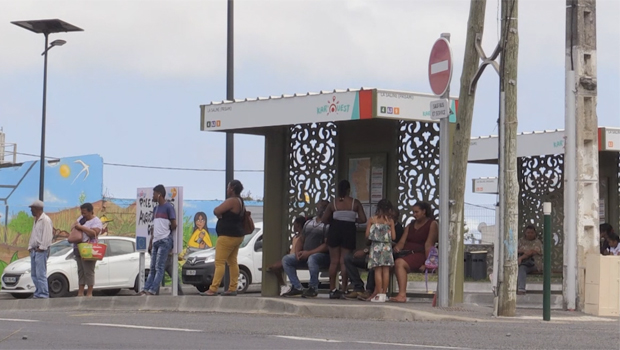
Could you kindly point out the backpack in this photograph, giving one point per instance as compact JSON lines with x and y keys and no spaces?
{"x":432,"y":261}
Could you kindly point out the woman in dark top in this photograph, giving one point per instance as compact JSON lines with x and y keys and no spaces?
{"x":414,"y":246}
{"x":342,"y":215}
{"x":229,"y":237}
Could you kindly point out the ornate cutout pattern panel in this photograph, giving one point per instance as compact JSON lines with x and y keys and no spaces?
{"x":418,"y":166}
{"x":541,"y":179}
{"x":312,"y":167}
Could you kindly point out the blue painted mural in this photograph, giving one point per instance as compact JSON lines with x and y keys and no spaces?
{"x":70,"y":182}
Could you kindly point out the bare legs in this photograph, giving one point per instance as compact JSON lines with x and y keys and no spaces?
{"x":89,"y":292}
{"x":334,"y":264}
{"x":278,"y":270}
{"x":382,"y":280}
{"x":401,"y":268}
{"x":343,"y":269}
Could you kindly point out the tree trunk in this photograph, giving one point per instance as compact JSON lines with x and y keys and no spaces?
{"x":510,"y":190}
{"x":460,"y":149}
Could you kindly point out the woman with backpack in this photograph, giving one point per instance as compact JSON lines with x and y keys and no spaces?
{"x":230,"y":232}
{"x":381,"y":232}
{"x":414,"y":247}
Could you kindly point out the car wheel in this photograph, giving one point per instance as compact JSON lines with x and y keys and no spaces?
{"x":111,"y":292}
{"x":201,"y":288}
{"x":21,"y":295}
{"x":58,"y":286}
{"x":243,"y":282}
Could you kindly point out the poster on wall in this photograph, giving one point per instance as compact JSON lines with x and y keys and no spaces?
{"x":144,"y":216}
{"x":359,"y":177}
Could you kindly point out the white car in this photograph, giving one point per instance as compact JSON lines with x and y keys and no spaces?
{"x":119,"y":269}
{"x":199,"y":266}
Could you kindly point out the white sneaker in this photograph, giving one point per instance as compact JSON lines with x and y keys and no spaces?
{"x":284,"y":289}
{"x":379,"y":298}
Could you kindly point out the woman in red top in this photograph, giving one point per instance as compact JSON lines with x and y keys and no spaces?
{"x":414,"y":246}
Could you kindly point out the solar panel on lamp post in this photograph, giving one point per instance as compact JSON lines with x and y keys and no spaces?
{"x":46,"y":27}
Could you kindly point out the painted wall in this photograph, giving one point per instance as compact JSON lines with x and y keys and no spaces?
{"x":69,"y":183}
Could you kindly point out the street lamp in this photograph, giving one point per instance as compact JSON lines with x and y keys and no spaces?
{"x":46,"y":27}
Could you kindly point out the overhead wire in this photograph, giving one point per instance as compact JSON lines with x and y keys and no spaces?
{"x":139,"y":166}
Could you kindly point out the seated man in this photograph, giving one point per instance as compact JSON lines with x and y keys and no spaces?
{"x":313,"y":255}
{"x":276,"y":268}
{"x":530,"y":257}
{"x":359,"y":260}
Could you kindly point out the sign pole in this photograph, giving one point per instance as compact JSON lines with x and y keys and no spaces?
{"x":444,"y":199}
{"x":547,"y":262}
{"x":439,"y":76}
{"x":175,"y":274}
{"x":141,"y":279}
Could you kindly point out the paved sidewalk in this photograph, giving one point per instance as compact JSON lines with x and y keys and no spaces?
{"x":415,"y":310}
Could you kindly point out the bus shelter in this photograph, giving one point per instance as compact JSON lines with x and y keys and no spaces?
{"x":383,"y":141}
{"x":540,"y":165}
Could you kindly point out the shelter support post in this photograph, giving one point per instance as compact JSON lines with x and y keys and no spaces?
{"x":275,"y":210}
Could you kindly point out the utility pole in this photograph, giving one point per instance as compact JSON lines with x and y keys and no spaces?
{"x":581,"y":188}
{"x":460,"y":149}
{"x":230,"y":92}
{"x":509,"y":185}
{"x":230,"y":96}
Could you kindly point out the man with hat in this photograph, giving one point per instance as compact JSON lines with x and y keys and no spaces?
{"x":40,"y":241}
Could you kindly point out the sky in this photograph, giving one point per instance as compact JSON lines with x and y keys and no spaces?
{"x":129,"y":87}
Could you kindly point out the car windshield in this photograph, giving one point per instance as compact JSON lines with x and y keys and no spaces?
{"x":248,"y":238}
{"x":60,"y":248}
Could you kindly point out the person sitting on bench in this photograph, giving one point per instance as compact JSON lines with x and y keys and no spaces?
{"x":413,"y":247}
{"x":359,"y":260}
{"x":313,"y":255}
{"x":530,"y":257}
{"x":276,"y":268}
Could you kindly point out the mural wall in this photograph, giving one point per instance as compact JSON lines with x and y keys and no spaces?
{"x":69,"y":182}
{"x":73,"y":181}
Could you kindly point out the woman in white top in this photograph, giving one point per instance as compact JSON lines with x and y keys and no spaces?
{"x":91,"y":226}
{"x":342,"y":215}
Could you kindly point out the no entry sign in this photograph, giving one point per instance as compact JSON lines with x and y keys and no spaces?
{"x":440,"y":66}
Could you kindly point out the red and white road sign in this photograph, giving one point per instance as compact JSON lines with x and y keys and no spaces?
{"x":440,"y":66}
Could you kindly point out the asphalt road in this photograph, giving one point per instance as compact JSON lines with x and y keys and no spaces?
{"x":154,"y":330}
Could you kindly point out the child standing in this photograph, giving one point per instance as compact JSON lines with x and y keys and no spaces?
{"x":380,"y":231}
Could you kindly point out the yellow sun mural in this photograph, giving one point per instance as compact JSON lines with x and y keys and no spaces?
{"x":65,"y":171}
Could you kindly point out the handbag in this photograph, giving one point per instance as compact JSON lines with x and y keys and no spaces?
{"x":92,"y":251}
{"x":75,"y":236}
{"x":247,"y":222}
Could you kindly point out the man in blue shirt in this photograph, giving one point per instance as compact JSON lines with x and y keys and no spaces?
{"x":164,"y":223}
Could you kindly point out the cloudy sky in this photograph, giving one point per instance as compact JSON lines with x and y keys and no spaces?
{"x":129,"y":87}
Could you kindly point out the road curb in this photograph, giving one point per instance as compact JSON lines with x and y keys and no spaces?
{"x":246,"y":305}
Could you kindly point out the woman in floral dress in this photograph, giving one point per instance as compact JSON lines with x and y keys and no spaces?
{"x":380,"y":231}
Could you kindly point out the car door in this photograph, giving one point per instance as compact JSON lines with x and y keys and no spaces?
{"x":257,"y":247}
{"x":102,"y":270}
{"x":123,"y":263}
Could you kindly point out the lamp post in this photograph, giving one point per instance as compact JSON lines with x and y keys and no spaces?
{"x":46,"y":27}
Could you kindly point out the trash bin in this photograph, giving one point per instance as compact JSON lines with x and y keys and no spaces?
{"x":467,"y":264}
{"x":479,"y":265}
